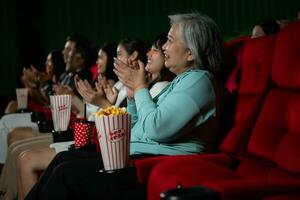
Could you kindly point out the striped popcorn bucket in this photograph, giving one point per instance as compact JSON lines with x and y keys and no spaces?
{"x":22,"y":97}
{"x":114,"y":139}
{"x":61,"y":111}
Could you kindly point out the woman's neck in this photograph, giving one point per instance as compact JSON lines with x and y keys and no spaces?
{"x":154,"y":76}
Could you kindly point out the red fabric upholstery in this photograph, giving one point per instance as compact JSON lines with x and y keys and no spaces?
{"x":285,"y":70}
{"x":145,"y":166}
{"x":232,"y":65}
{"x":182,"y":171}
{"x":280,"y":121}
{"x":271,"y":166}
{"x":36,"y":107}
{"x":255,"y":67}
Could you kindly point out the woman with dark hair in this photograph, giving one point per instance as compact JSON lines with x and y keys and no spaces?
{"x":39,"y":84}
{"x":267,"y":27}
{"x":105,"y":61}
{"x":133,"y":47}
{"x":58,"y":65}
{"x":161,"y":73}
{"x":55,"y":66}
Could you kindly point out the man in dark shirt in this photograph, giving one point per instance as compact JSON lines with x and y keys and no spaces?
{"x":77,"y":56}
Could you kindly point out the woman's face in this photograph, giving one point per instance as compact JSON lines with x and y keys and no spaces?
{"x":49,"y":64}
{"x":178,"y":57}
{"x":155,"y":62}
{"x":122,"y":53}
{"x":69,"y":46}
{"x":257,"y":31}
{"x":102,"y":61}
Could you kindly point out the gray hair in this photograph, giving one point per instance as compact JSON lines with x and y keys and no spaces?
{"x":202,"y":36}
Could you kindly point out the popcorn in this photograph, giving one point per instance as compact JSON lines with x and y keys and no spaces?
{"x":112,"y":110}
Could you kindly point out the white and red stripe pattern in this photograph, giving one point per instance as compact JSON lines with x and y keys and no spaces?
{"x":114,"y":139}
{"x":61,"y":111}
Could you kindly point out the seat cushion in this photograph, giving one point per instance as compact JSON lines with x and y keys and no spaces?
{"x":276,"y":136}
{"x":185,"y":172}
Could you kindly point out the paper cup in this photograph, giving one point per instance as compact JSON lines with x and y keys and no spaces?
{"x":114,"y":139}
{"x":22,"y":96}
{"x":83,"y":131}
{"x":61,"y":111}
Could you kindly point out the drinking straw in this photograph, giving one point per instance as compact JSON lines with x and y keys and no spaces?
{"x":84,"y":112}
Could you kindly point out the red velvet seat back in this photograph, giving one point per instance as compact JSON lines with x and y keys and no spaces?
{"x":274,"y":146}
{"x":255,"y":72}
{"x":231,"y":59}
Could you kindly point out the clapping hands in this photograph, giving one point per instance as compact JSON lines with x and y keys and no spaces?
{"x":102,"y":95}
{"x":131,"y":74}
{"x":85,"y":89}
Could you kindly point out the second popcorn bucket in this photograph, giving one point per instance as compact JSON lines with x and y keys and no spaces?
{"x":114,"y":128}
{"x":61,"y":113}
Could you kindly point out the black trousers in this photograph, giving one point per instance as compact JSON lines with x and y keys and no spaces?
{"x":77,"y":175}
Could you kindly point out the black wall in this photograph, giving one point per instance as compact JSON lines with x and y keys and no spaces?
{"x":30,"y":29}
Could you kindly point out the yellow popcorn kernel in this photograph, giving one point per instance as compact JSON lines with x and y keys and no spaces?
{"x":112,"y":110}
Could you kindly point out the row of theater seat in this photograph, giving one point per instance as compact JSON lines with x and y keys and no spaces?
{"x":259,"y":157}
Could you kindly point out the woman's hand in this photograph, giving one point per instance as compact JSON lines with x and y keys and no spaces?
{"x":96,"y":97}
{"x":131,"y":74}
{"x":62,"y":89}
{"x":111,"y":92}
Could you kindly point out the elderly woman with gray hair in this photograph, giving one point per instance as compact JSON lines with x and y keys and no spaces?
{"x":163,"y":126}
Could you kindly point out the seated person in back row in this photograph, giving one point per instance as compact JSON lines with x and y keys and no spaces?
{"x":267,"y":27}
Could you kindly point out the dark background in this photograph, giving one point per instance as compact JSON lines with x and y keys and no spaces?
{"x":32,"y":28}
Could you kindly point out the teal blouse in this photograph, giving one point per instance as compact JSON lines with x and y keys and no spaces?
{"x":157,"y":123}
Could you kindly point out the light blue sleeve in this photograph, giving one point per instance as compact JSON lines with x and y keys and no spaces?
{"x":162,"y":122}
{"x":131,"y":109}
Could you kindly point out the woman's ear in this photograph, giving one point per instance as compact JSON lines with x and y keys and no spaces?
{"x":134,"y":55}
{"x":190,"y":56}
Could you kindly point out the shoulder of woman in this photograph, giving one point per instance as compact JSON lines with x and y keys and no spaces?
{"x":196,"y":74}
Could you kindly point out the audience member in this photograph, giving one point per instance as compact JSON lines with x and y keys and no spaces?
{"x":267,"y":27}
